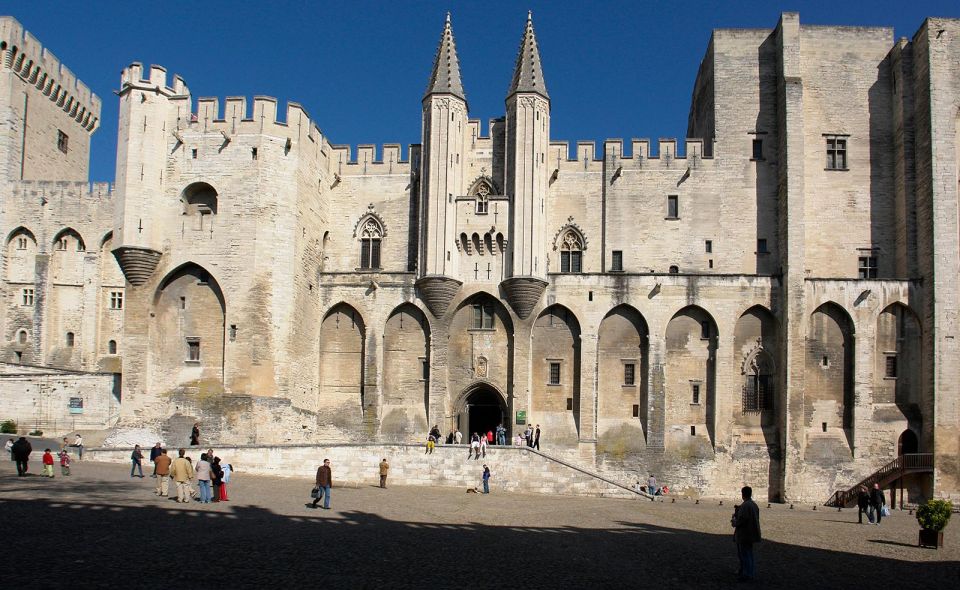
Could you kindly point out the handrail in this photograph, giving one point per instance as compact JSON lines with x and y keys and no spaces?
{"x":909,"y":463}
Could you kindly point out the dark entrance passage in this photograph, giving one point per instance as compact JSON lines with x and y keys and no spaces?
{"x":907,"y":444}
{"x":482,"y":412}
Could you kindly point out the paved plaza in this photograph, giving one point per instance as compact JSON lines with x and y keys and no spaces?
{"x":99,"y":528}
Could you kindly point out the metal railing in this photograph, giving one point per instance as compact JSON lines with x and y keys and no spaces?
{"x":902,"y":465}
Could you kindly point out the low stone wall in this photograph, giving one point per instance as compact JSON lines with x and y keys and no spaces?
{"x":40,"y":398}
{"x":515,"y":469}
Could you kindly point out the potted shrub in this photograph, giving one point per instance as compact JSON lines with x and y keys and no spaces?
{"x":933,"y":518}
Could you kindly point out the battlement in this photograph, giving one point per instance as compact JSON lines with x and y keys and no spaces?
{"x":21,"y":52}
{"x":391,"y":160}
{"x":156,"y":79}
{"x":63,"y":188}
{"x":641,"y":154}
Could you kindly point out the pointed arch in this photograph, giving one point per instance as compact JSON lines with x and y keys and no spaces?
{"x":483,"y":185}
{"x":370,"y":230}
{"x":622,"y":374}
{"x":20,"y":231}
{"x":341,"y":364}
{"x":107,"y":237}
{"x":690,"y":380}
{"x":68,"y":238}
{"x":830,"y":369}
{"x":555,"y":373}
{"x":406,"y":374}
{"x":898,"y":359}
{"x":572,"y":243}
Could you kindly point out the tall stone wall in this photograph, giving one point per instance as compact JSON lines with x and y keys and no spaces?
{"x":57,"y":402}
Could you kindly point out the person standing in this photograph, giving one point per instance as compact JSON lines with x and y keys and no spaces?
{"x":528,"y":436}
{"x":195,"y":435}
{"x":182,"y":472}
{"x":203,"y":472}
{"x":227,"y":473}
{"x":651,"y":485}
{"x":136,"y":461}
{"x":863,"y":504}
{"x":154,"y":453}
{"x":483,"y":446}
{"x":474,"y":446}
{"x":217,"y":478}
{"x":324,"y":483}
{"x":78,"y":443}
{"x":47,"y":463}
{"x":64,"y":462}
{"x":536,"y":438}
{"x":486,"y":479}
{"x":384,"y":469}
{"x":21,"y":454}
{"x":877,"y":502}
{"x":9,"y":448}
{"x":161,"y":465}
{"x":457,"y":436}
{"x":501,"y":435}
{"x":746,"y":523}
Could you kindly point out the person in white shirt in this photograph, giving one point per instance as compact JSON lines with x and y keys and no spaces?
{"x":457,"y":436}
{"x":78,"y":442}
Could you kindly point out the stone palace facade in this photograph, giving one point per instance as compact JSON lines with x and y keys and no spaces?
{"x":772,"y":301}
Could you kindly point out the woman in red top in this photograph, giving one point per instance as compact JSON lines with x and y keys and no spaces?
{"x":47,"y":463}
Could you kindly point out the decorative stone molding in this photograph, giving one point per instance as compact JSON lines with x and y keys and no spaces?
{"x":561,"y":236}
{"x":366,"y":226}
{"x":137,"y":263}
{"x":751,"y":363}
{"x":523,"y":293}
{"x":437,"y":291}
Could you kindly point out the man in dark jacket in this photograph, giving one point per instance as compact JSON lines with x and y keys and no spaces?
{"x":863,"y":503}
{"x":877,"y":501}
{"x":746,"y":524}
{"x":324,"y":483}
{"x":154,"y":453}
{"x":21,"y":454}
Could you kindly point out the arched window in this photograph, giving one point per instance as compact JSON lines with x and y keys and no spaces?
{"x":69,"y":338}
{"x":483,"y":202}
{"x":674,"y":269}
{"x":112,"y":347}
{"x":22,"y":337}
{"x":200,"y":201}
{"x":758,"y":383}
{"x":571,"y":252}
{"x":371,"y":234}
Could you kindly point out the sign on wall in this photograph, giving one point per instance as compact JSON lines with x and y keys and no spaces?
{"x":76,"y":405}
{"x":521,"y":417}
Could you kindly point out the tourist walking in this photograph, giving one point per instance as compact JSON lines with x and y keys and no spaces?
{"x":227,"y":474}
{"x":136,"y":461}
{"x":216,"y":478}
{"x":64,"y":462}
{"x":384,"y":469}
{"x":182,"y":472}
{"x":21,"y":454}
{"x":863,"y":505}
{"x":9,"y":448}
{"x":47,"y":463}
{"x":877,"y":502}
{"x":78,"y":443}
{"x":161,"y":465}
{"x":324,"y":483}
{"x":195,"y":435}
{"x":154,"y":453}
{"x":204,"y":472}
{"x":536,"y":438}
{"x":486,"y":479}
{"x":457,"y":436}
{"x":746,"y":523}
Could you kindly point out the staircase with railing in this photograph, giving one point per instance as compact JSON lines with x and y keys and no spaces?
{"x":892,"y":471}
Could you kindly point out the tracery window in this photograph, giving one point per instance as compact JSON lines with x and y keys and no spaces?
{"x":571,"y":252}
{"x":758,"y":384}
{"x":371,"y":234}
{"x":483,"y":202}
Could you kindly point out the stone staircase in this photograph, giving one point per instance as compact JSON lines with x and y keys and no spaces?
{"x":513,"y":469}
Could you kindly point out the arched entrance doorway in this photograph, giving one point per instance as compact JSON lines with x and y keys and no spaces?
{"x":907,"y":443}
{"x":482,"y":409}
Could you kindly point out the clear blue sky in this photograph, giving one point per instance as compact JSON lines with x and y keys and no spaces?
{"x":613,"y":69}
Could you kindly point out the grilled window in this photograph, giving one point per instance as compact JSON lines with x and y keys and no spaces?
{"x":554,"y":374}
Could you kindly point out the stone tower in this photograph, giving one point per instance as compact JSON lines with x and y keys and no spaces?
{"x":444,"y":129}
{"x":527,"y":179}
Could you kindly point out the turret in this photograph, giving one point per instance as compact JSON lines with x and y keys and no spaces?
{"x":444,"y":133}
{"x":527,"y":142}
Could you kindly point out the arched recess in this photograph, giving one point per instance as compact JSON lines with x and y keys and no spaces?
{"x":199,"y":205}
{"x":66,"y":261}
{"x":622,"y":370}
{"x":21,"y":256}
{"x":555,"y":375}
{"x":690,"y":381}
{"x":342,"y":348}
{"x":897,"y":369}
{"x":480,"y":348}
{"x":110,"y":273}
{"x":187,"y":331}
{"x":828,"y":394}
{"x":406,"y":374}
{"x":755,"y":353}
{"x":480,"y":409}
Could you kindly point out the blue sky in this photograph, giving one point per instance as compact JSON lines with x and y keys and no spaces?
{"x":613,"y":69}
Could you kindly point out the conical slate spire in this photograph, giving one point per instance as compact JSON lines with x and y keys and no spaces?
{"x":528,"y":74}
{"x":445,"y":78}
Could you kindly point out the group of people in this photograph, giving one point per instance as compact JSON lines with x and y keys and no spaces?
{"x":872,"y":503}
{"x":211,"y":473}
{"x":21,"y":449}
{"x":479,"y":440}
{"x":651,"y":487}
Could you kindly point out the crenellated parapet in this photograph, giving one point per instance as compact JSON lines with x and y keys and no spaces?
{"x":23,"y":54}
{"x":388,"y":159}
{"x":641,"y":156}
{"x":89,"y":192}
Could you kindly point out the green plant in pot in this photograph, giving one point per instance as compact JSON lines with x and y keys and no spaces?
{"x":933,"y":518}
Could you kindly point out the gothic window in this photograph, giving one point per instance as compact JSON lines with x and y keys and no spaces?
{"x":758,"y":384}
{"x":571,"y":252}
{"x":483,"y":203}
{"x":371,"y":234}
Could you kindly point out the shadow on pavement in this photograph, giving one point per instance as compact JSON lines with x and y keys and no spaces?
{"x":94,"y":543}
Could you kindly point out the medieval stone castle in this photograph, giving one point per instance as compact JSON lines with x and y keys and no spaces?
{"x":774,"y":300}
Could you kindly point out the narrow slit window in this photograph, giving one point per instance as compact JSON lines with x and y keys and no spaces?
{"x":617,"y":261}
{"x":673,"y":207}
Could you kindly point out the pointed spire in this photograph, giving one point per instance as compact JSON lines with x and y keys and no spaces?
{"x":445,"y":78}
{"x":528,"y":74}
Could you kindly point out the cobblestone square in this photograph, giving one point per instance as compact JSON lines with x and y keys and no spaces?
{"x":101,"y":528}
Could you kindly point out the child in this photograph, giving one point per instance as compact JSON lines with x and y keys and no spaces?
{"x":64,"y":462}
{"x":227,"y":472}
{"x":47,"y":463}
